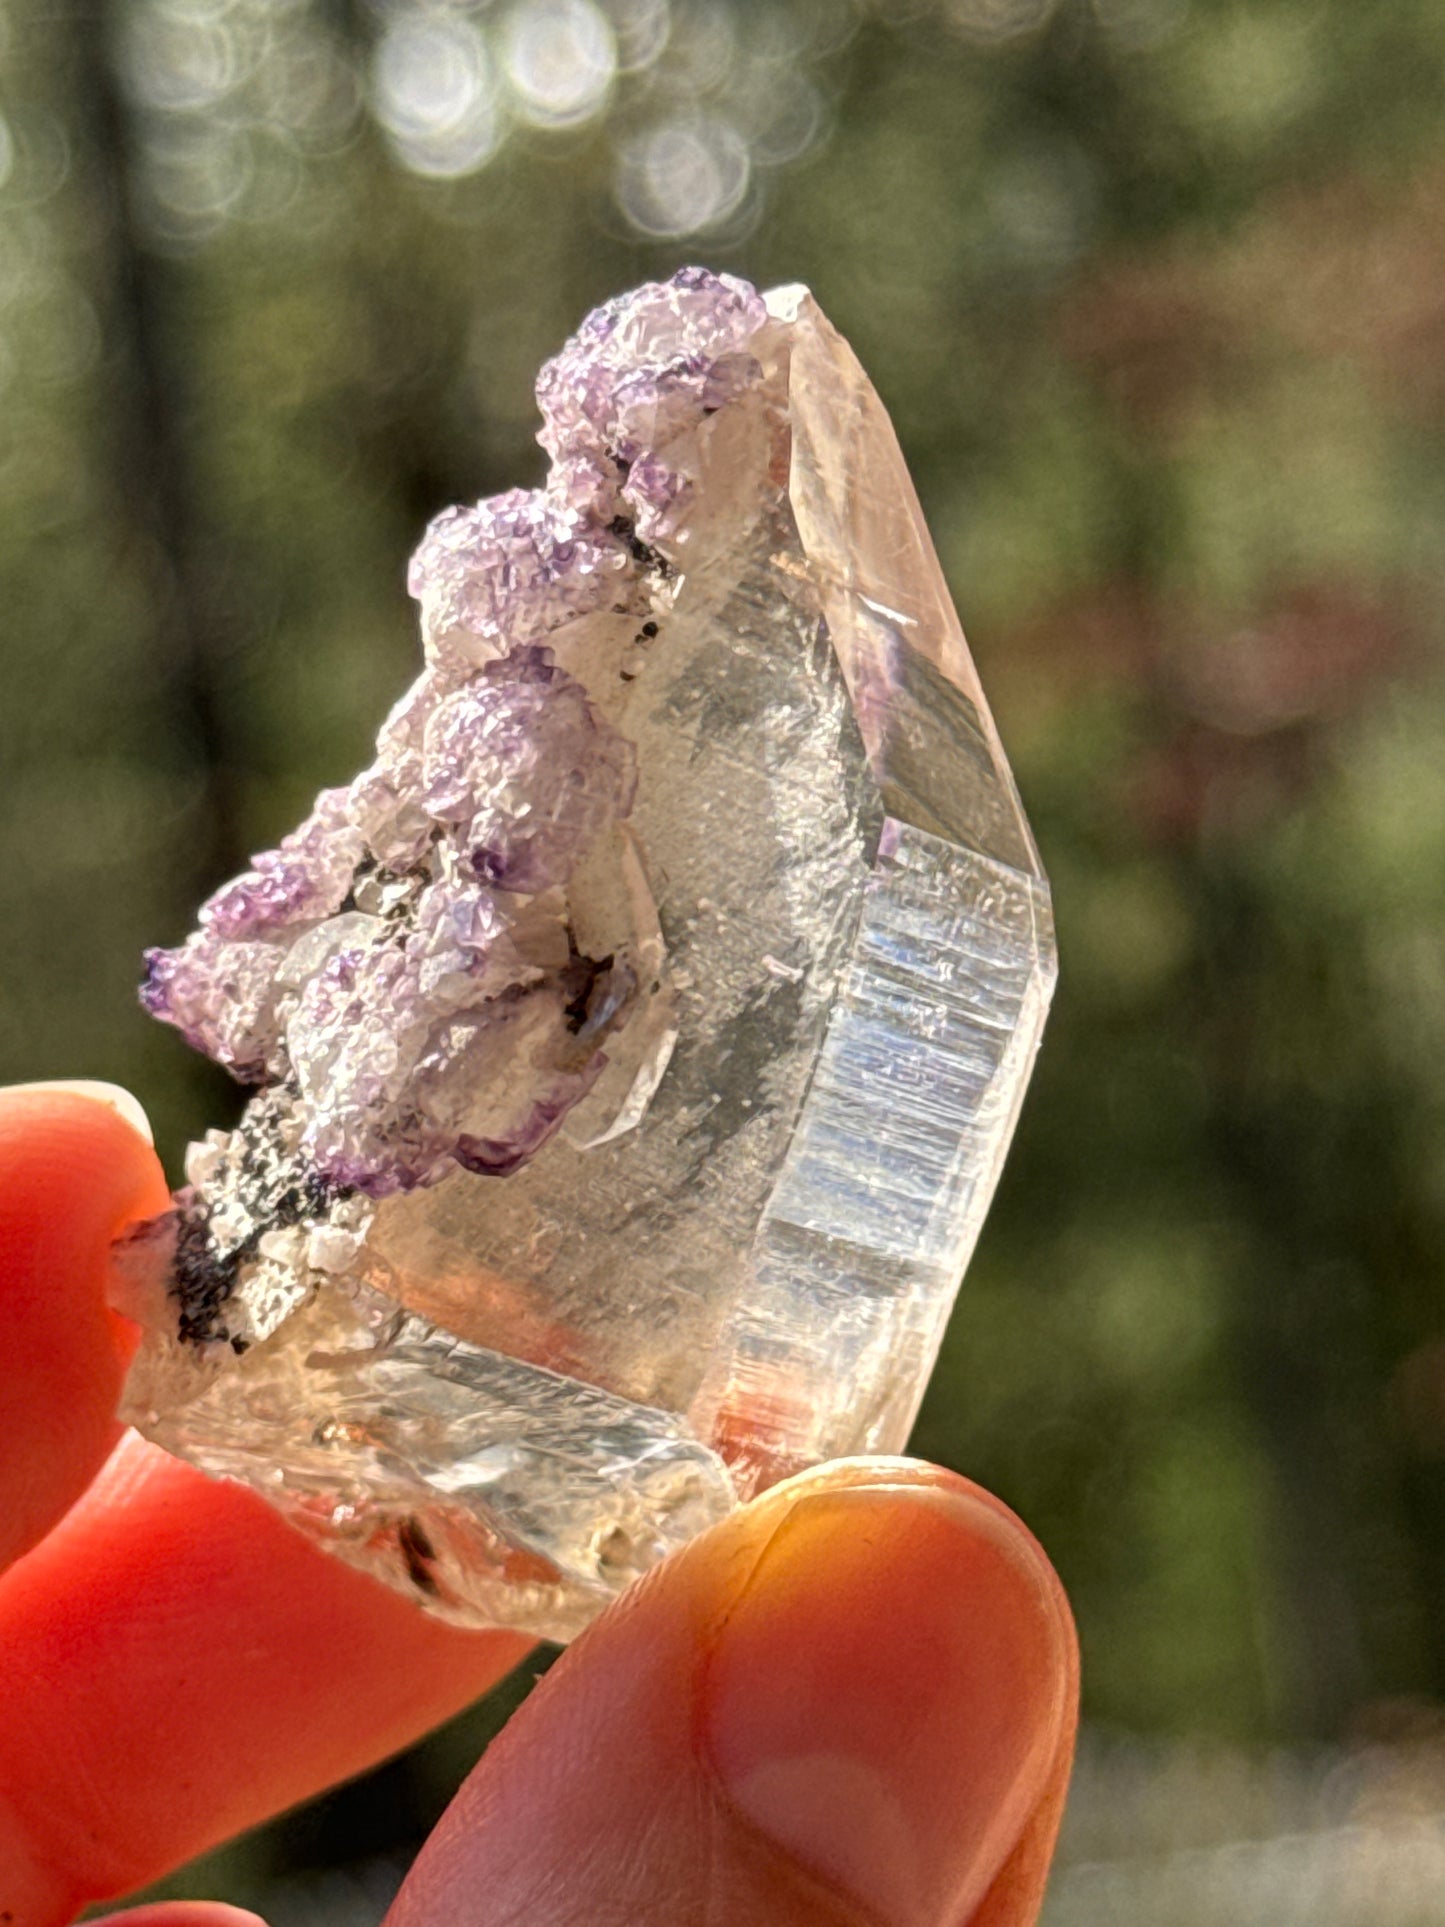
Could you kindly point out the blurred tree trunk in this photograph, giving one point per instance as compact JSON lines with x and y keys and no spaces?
{"x":154,"y":486}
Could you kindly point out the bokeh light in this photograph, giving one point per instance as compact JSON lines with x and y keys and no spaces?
{"x":640,"y":30}
{"x":780,"y":111}
{"x":560,"y":57}
{"x":37,"y":155}
{"x":180,"y":56}
{"x":990,"y":20}
{"x":197,"y":173}
{"x":684,"y":175}
{"x":434,"y":90}
{"x":310,"y":92}
{"x":232,"y":99}
{"x":704,"y":42}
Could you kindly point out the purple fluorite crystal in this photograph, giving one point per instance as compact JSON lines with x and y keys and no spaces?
{"x":386,"y":1000}
{"x":512,"y":570}
{"x":399,"y":952}
{"x":527,"y":772}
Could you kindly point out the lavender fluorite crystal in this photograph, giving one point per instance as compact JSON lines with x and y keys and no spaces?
{"x":636,"y":1042}
{"x":405,"y":965}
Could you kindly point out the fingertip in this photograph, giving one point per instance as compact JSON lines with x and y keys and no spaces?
{"x":76,"y":1167}
{"x":1018,"y":1889}
{"x":182,"y":1913}
{"x":853,"y":1699}
{"x":890,"y":1690}
{"x":126,"y":1105}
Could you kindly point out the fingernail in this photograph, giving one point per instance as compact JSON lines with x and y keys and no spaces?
{"x":888,"y":1697}
{"x":121,"y":1101}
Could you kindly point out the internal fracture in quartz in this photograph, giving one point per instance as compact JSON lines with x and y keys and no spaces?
{"x":637,"y":1041}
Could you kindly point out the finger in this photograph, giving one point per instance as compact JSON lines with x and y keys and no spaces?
{"x":74,"y":1169}
{"x":182,"y":1913}
{"x":854,"y":1701}
{"x":180,"y":1664}
{"x":1017,"y":1893}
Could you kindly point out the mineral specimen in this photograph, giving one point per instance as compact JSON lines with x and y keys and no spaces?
{"x":637,"y":1041}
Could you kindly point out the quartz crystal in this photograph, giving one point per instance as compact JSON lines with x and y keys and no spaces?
{"x":636,"y":1043}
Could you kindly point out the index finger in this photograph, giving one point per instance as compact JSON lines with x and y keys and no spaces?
{"x":75,"y":1168}
{"x":179,"y":1663}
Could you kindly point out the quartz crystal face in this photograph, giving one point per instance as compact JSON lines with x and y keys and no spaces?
{"x":636,"y":1043}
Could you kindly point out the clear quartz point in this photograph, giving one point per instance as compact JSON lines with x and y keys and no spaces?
{"x":637,"y":1042}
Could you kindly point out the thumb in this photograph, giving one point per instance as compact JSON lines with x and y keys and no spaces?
{"x":851,"y":1702}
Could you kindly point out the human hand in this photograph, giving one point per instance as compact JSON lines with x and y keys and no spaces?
{"x":852,"y":1704}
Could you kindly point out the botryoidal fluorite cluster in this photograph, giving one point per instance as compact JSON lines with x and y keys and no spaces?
{"x":637,"y":1041}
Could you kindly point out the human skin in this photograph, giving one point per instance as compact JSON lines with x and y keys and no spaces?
{"x":852,"y":1704}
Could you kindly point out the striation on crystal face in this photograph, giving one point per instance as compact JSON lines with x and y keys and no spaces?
{"x":638,"y":1040}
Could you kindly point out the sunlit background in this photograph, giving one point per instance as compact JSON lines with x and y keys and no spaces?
{"x":1156,"y":292}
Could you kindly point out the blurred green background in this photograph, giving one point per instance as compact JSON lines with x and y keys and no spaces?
{"x":1155,"y":290}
